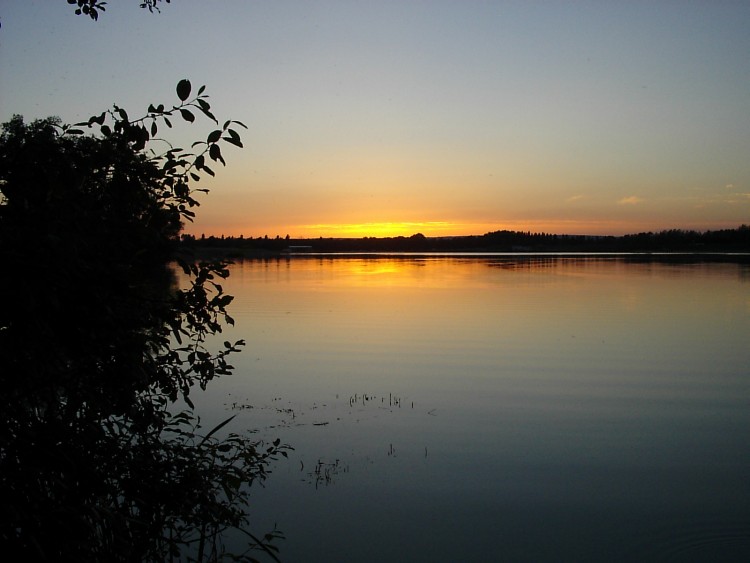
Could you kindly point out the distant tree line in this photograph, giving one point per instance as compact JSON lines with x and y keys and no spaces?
{"x":674,"y":240}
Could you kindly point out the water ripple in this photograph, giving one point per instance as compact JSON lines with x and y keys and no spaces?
{"x":697,"y":542}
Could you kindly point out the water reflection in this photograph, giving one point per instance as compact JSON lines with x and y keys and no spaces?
{"x":554,"y":409}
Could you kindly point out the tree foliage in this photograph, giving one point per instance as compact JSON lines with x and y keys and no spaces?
{"x":92,"y":8}
{"x":98,"y":344}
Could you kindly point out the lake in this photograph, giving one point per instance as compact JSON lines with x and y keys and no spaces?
{"x":496,"y":408}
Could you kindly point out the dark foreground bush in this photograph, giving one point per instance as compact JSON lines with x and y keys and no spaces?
{"x":98,"y":345}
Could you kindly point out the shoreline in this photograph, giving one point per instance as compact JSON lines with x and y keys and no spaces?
{"x":234,"y":253}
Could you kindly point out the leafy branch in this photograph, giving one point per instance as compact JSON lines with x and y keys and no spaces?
{"x":92,"y":8}
{"x":178,"y":167}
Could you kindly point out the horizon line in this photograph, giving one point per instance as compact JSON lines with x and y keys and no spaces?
{"x":522,"y":232}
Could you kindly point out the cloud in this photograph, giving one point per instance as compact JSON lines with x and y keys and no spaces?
{"x":632,"y":200}
{"x":574,"y":198}
{"x":729,"y":186}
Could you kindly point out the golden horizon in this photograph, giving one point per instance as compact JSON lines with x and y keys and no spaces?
{"x":387,"y":229}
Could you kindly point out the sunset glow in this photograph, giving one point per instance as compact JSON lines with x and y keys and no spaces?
{"x":441,"y":118}
{"x":379,"y":229}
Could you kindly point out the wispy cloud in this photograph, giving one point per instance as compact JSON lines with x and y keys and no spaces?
{"x":574,"y":198}
{"x":632,"y":200}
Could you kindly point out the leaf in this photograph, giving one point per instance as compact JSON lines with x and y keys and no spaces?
{"x":99,"y":119}
{"x":184,"y":265}
{"x":209,"y":115}
{"x":183,"y":89}
{"x":189,"y":402}
{"x":187,"y":115}
{"x":215,"y":153}
{"x":217,"y":428}
{"x":153,"y":128}
{"x":233,"y":141}
{"x":214,"y":136}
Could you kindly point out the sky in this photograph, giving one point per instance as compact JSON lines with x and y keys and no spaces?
{"x":436,"y":117}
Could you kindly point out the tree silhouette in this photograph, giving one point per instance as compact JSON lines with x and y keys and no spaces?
{"x":97,"y":344}
{"x":92,"y":8}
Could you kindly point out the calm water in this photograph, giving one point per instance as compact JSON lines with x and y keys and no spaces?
{"x":496,"y":409}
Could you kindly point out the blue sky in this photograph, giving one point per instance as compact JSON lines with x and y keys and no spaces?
{"x":434,"y":117}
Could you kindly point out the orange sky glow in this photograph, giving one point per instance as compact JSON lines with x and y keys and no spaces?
{"x":442,"y":118}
